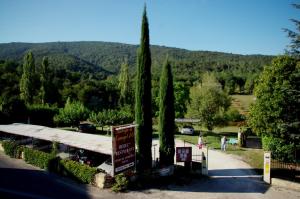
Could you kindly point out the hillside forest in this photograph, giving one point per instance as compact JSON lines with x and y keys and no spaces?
{"x":96,"y":79}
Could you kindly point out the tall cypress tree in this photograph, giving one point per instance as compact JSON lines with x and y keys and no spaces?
{"x":143,"y":110}
{"x":27,"y":79}
{"x":166,"y":117}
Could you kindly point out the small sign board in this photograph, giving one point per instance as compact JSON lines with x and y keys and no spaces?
{"x":123,"y":146}
{"x":204,"y":161}
{"x":267,"y":167}
{"x":183,"y":154}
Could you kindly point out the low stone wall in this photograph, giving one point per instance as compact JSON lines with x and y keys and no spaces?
{"x":103,"y":180}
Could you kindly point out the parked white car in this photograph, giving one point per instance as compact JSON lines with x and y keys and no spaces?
{"x":189,"y":130}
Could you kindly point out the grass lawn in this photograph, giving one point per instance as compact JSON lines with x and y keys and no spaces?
{"x":242,"y":102}
{"x":254,"y":157}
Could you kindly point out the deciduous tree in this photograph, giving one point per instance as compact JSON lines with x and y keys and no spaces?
{"x":27,"y":79}
{"x":208,"y":102}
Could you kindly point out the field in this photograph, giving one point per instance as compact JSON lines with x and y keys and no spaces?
{"x":242,"y":103}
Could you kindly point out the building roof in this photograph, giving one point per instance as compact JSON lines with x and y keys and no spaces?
{"x":187,"y":120}
{"x":96,"y":143}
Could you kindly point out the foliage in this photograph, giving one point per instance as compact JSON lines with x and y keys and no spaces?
{"x":294,"y":47}
{"x":208,"y":102}
{"x":277,"y":107}
{"x":42,"y":114}
{"x":38,"y":158}
{"x":233,"y":115}
{"x":181,"y":94}
{"x":12,"y":149}
{"x":112,"y":116}
{"x":281,"y":150}
{"x":166,"y":117}
{"x":44,"y":90}
{"x":71,"y":114}
{"x":143,"y":110}
{"x":100,"y":59}
{"x":121,"y":183}
{"x":13,"y":109}
{"x":80,"y":172}
{"x":86,"y":72}
{"x":54,"y":149}
{"x":27,"y":79}
{"x":124,"y":85}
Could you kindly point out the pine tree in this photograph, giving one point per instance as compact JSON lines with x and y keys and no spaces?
{"x":143,"y":117}
{"x":27,"y":79}
{"x":44,"y":80}
{"x":166,"y":117}
{"x":294,"y":47}
{"x":124,"y":84}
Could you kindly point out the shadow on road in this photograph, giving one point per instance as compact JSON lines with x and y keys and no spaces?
{"x":232,"y":172}
{"x":25,"y":183}
{"x":224,"y":185}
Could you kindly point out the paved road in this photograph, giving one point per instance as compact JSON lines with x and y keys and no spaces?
{"x":20,"y":180}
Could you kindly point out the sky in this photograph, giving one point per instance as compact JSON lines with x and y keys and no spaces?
{"x":233,"y":26}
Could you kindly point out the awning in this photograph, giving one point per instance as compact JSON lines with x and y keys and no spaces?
{"x":91,"y":142}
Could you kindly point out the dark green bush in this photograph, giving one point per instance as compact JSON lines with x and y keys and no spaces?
{"x":121,"y":183}
{"x":12,"y":149}
{"x":38,"y":158}
{"x":80,"y":172}
{"x":280,"y":149}
{"x":42,"y":114}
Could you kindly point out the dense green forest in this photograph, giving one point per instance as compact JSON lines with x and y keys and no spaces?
{"x":107,"y":57}
{"x":87,"y":72}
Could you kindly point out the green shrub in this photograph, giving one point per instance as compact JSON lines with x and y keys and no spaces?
{"x":71,"y":114}
{"x":233,"y":115}
{"x":12,"y":149}
{"x":280,"y":149}
{"x":80,"y":172}
{"x":38,"y":158}
{"x":121,"y":183}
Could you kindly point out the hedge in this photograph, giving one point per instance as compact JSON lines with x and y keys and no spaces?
{"x":38,"y":158}
{"x":12,"y":149}
{"x":281,"y":149}
{"x":80,"y":172}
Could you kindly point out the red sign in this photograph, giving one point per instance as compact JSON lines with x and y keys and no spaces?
{"x":123,"y":145}
{"x":183,"y":154}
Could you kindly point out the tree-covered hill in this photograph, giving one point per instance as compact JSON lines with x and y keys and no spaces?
{"x":107,"y":57}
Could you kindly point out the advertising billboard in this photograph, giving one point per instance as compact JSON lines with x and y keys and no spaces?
{"x":123,"y":146}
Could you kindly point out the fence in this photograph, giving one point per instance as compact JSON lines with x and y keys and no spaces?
{"x":290,"y":171}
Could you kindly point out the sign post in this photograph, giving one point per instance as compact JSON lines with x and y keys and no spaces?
{"x":184,"y":154}
{"x":267,"y":167}
{"x":123,"y":146}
